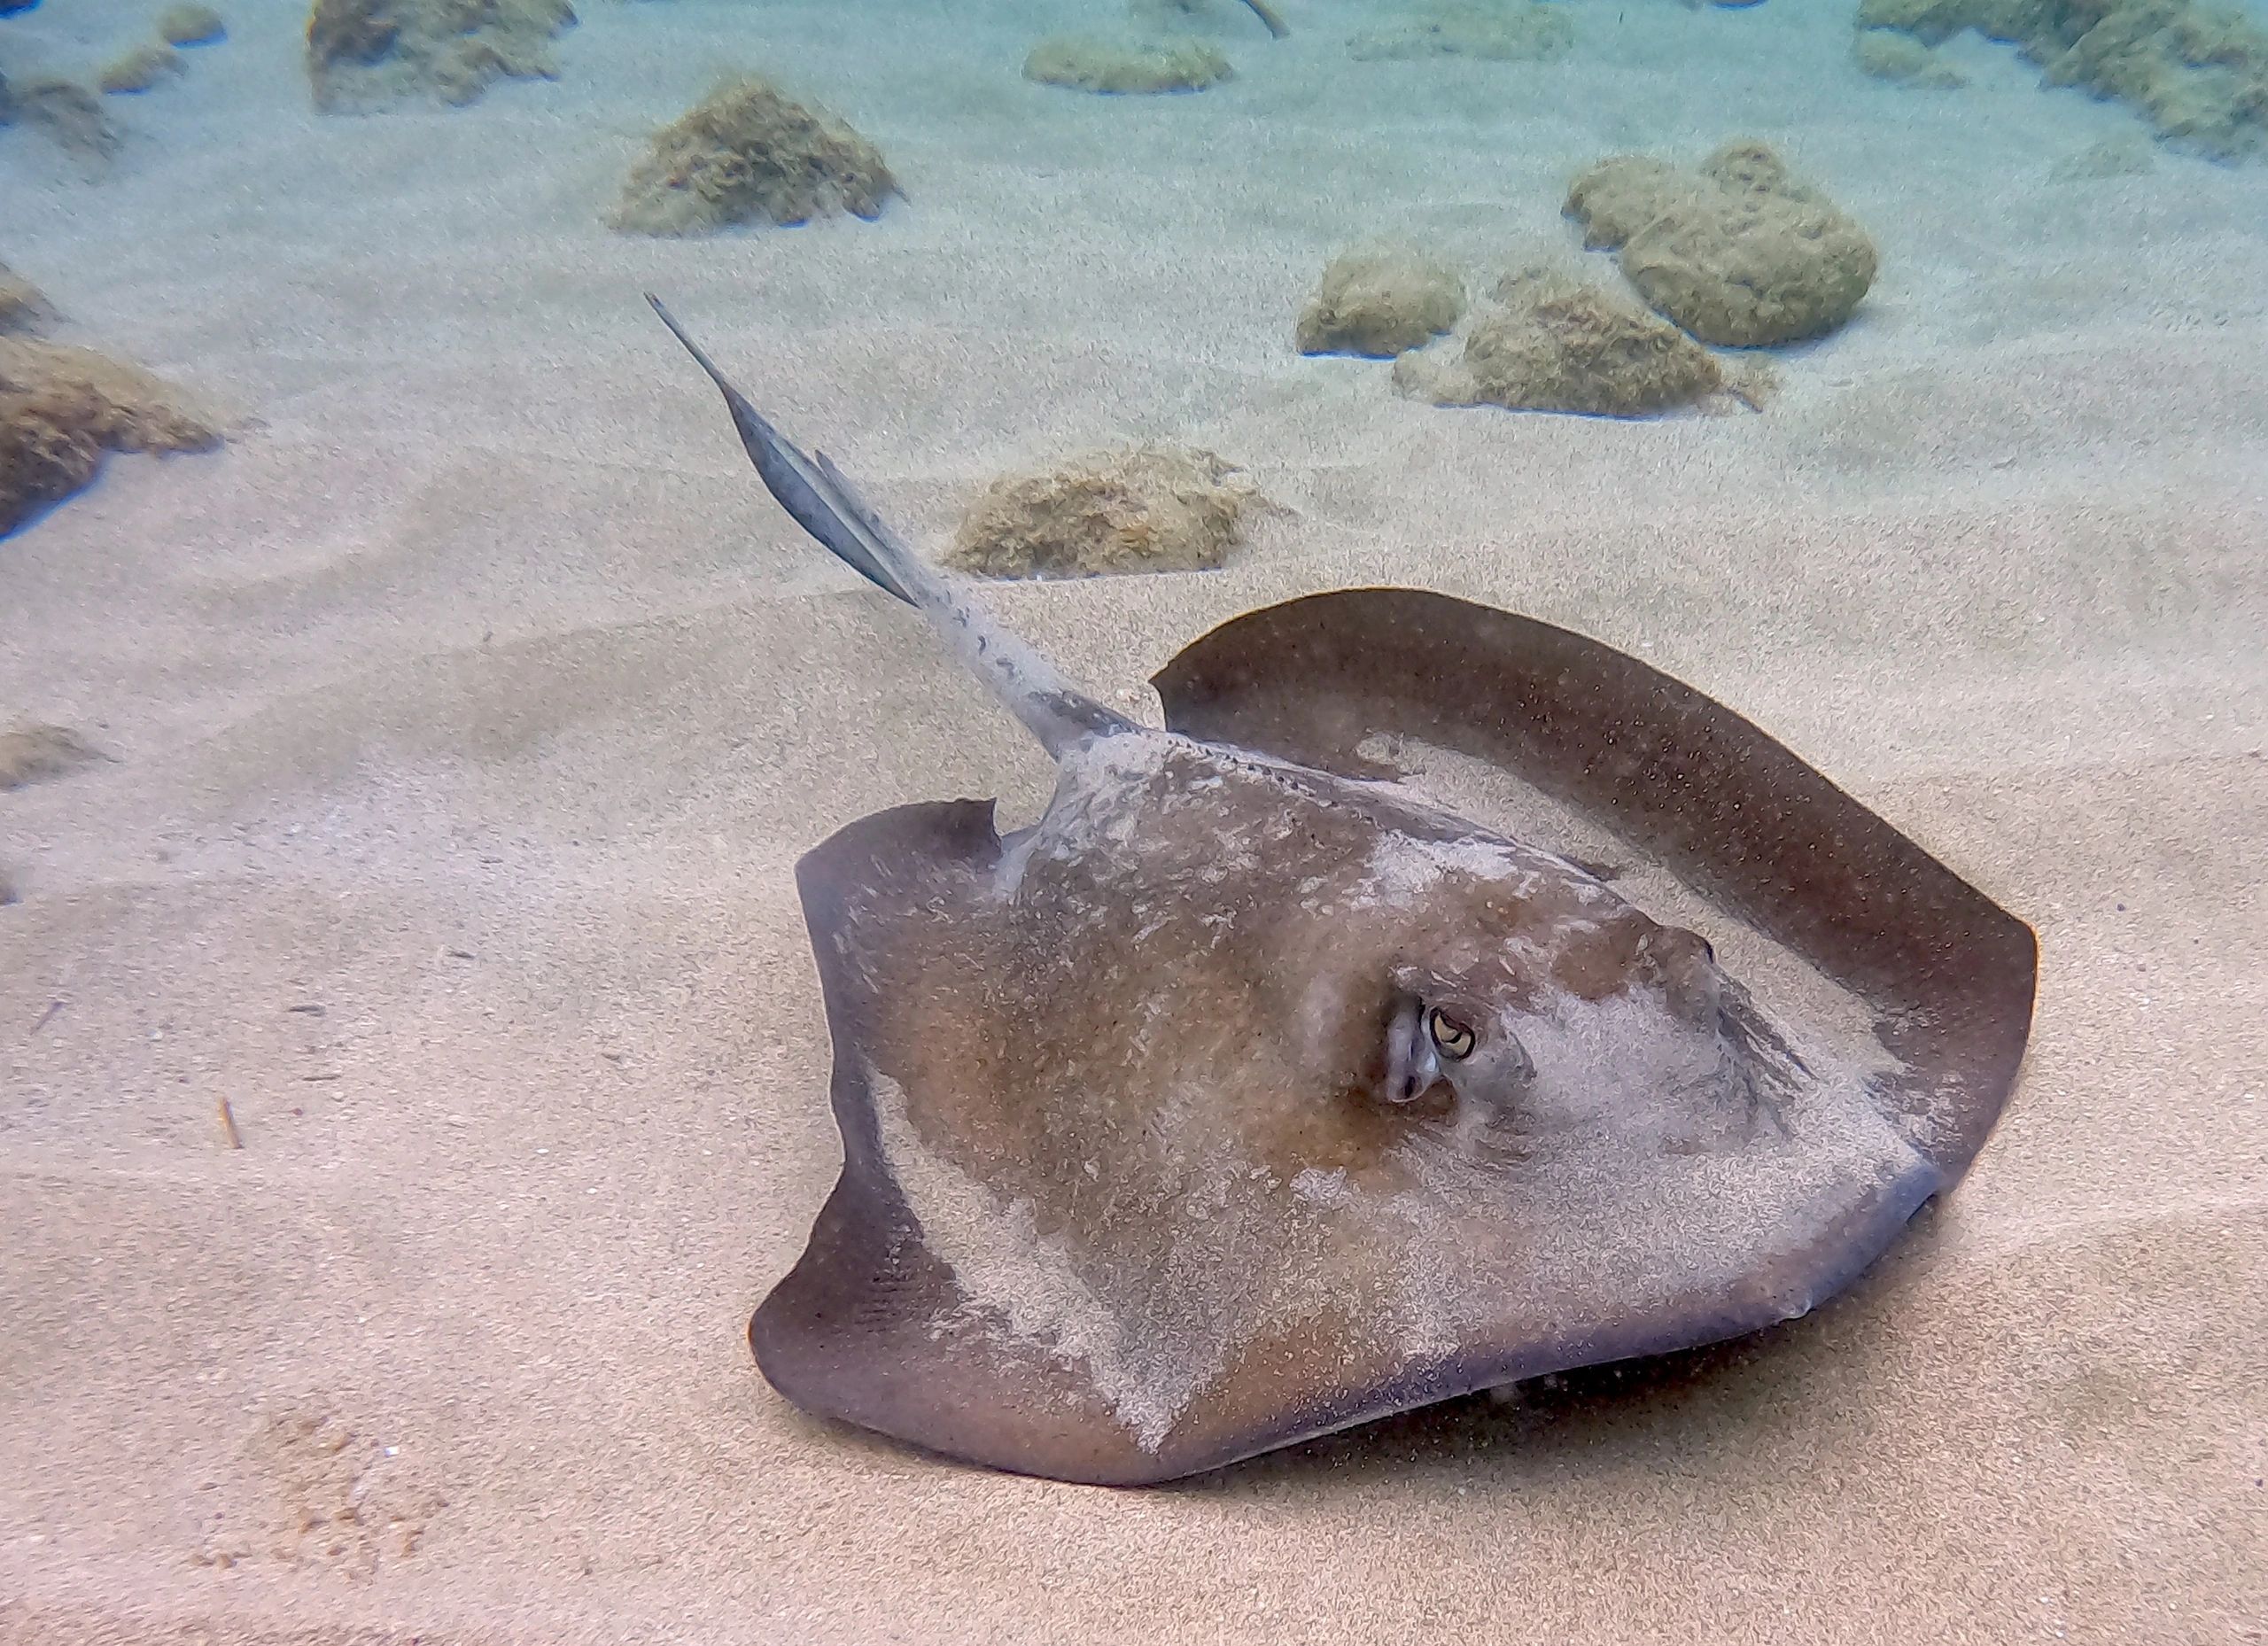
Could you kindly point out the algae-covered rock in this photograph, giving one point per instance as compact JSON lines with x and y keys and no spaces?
{"x":747,"y":154}
{"x":1379,"y":301}
{"x":62,"y":409}
{"x":1502,"y":31}
{"x":190,"y":25}
{"x":2113,"y":157}
{"x":70,"y":114}
{"x":1755,"y":167}
{"x":1087,"y":64}
{"x":1617,"y":197}
{"x":1737,"y":252}
{"x":140,"y":69}
{"x":1553,"y":342}
{"x":39,"y":753}
{"x":1933,"y":22}
{"x":367,"y":54}
{"x":21,"y":306}
{"x":2198,"y":72}
{"x":1887,"y":54}
{"x":1153,"y":507}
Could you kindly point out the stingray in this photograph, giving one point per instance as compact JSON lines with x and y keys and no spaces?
{"x":1257,"y":1089}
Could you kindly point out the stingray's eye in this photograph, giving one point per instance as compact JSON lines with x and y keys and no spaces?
{"x":1454,"y":1040}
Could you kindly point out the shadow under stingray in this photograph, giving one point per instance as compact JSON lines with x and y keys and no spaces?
{"x":1705,"y":1399}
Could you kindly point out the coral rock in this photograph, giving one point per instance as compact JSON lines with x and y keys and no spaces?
{"x":1151,"y":508}
{"x":2113,"y":157}
{"x":190,"y":25}
{"x":1886,"y":54}
{"x":1556,"y":344}
{"x":1101,"y":65}
{"x":366,"y":54}
{"x":61,"y":408}
{"x":1739,"y":253}
{"x":1379,"y":303}
{"x":2197,"y":73}
{"x":21,"y":306}
{"x":70,"y":114}
{"x":141,"y":68}
{"x":745,"y":153}
{"x":40,"y":754}
{"x":1515,"y":31}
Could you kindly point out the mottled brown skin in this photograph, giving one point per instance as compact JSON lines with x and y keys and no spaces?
{"x":1054,"y":982}
{"x":1150,"y":1027}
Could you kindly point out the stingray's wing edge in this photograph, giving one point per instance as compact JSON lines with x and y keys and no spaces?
{"x":869,"y":1326}
{"x":1799,"y":1282}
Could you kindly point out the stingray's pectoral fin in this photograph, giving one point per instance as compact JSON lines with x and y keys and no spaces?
{"x":872,"y":1326}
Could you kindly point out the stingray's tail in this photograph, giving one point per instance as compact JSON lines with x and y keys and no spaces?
{"x":828,"y":507}
{"x":808,"y":488}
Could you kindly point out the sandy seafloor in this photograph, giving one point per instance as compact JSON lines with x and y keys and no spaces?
{"x":477,"y":695}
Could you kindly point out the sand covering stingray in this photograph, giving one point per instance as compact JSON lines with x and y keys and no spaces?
{"x":1252,"y":1091}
